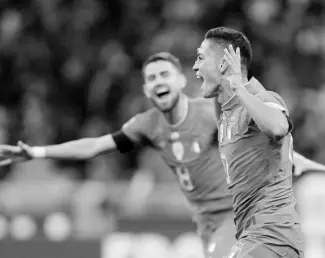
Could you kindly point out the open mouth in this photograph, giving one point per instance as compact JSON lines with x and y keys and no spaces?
{"x":162,"y":92}
{"x":198,"y":76}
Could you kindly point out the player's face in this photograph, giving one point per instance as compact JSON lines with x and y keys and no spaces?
{"x":210,"y":67}
{"x":206,"y":67}
{"x":163,"y":84}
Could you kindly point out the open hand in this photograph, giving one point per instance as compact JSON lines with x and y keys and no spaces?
{"x":12,"y":154}
{"x":234,"y":61}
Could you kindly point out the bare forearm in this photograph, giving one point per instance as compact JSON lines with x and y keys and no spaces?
{"x":269,"y":119}
{"x":85,"y":148}
{"x":79,"y":149}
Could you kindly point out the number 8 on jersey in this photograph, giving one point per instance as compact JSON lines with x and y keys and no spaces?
{"x":184,"y":178}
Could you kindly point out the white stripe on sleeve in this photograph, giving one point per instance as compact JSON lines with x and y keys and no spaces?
{"x":275,"y":105}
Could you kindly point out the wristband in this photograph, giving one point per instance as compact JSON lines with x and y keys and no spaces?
{"x":39,"y":152}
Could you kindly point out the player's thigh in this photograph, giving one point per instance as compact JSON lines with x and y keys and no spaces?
{"x":250,"y":249}
{"x":221,"y":240}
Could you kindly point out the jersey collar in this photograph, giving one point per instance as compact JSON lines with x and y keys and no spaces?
{"x":231,"y":103}
{"x":183,"y":118}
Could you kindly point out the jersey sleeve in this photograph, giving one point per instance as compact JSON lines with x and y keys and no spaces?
{"x":274,"y":100}
{"x":136,"y":128}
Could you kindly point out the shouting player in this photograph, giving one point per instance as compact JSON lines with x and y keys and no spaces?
{"x":183,"y":131}
{"x":256,"y":149}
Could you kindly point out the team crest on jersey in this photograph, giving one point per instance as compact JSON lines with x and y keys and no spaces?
{"x":178,"y":150}
{"x":235,"y":250}
{"x":196,"y":147}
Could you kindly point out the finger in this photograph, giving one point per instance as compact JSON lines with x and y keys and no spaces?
{"x":22,"y":145}
{"x":232,"y":66}
{"x":5,"y":162}
{"x":232,"y":51}
{"x":227,"y":53}
{"x":9,"y":150}
{"x":235,"y":55}
{"x":238,"y":55}
{"x":230,"y":60}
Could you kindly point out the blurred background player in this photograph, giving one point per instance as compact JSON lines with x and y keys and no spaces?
{"x":256,"y":149}
{"x":183,"y":130}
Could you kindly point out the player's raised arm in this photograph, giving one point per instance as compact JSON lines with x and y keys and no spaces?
{"x":269,"y":117}
{"x":302,"y":164}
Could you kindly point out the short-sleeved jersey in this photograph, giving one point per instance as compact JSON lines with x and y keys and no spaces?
{"x":190,"y":149}
{"x":259,"y":175}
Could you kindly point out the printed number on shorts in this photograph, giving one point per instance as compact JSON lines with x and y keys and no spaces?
{"x":184,"y":178}
{"x":225,"y":166}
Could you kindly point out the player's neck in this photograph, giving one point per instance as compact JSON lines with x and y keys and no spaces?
{"x":178,"y":114}
{"x":228,"y":93}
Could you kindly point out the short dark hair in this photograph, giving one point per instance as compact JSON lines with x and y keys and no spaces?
{"x":226,"y":36}
{"x":166,"y":56}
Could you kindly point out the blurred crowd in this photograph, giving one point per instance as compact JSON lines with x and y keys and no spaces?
{"x":118,"y":245}
{"x":72,"y":69}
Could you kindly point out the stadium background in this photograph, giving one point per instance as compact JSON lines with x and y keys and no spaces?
{"x":70,"y":69}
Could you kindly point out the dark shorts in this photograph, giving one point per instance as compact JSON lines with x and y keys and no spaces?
{"x":248,"y":248}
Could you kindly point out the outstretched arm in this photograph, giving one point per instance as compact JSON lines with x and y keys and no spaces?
{"x":302,"y":164}
{"x":124,"y":140}
{"x":85,"y":148}
{"x":81,"y":149}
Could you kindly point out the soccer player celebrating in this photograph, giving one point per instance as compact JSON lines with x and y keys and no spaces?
{"x":256,"y":149}
{"x":182,"y":130}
